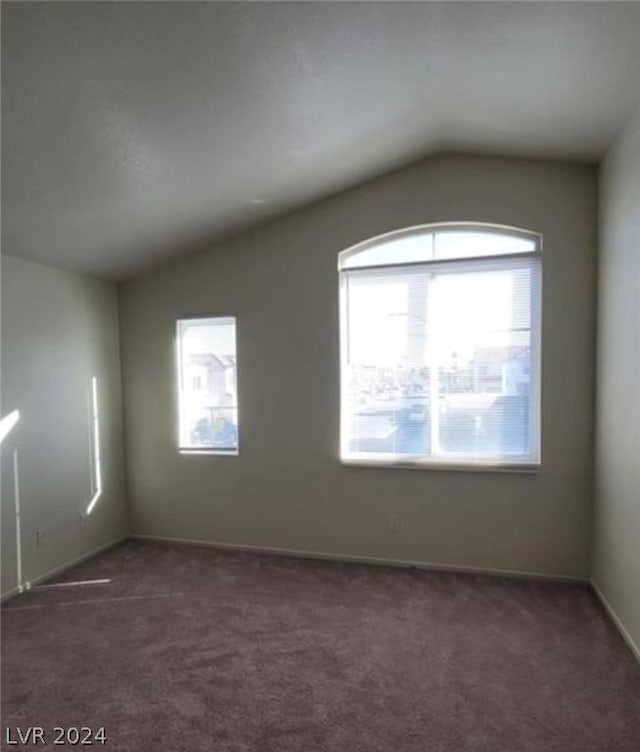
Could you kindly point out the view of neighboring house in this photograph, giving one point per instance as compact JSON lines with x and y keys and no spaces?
{"x":505,"y":370}
{"x":211,"y":399}
{"x":212,"y":378}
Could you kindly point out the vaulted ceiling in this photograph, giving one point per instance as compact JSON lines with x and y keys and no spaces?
{"x":135,"y":131}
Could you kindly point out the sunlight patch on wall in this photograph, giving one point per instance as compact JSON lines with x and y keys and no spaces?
{"x":7,"y":423}
{"x":95,"y":445}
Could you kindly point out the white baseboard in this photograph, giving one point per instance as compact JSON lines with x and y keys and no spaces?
{"x":9,"y":594}
{"x":364,"y":559}
{"x":63,"y":567}
{"x":626,"y":636}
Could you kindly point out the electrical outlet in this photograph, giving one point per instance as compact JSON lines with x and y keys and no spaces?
{"x":40,"y":537}
{"x":84,"y":518}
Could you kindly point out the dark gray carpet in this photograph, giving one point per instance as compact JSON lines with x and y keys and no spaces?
{"x":192,"y":649}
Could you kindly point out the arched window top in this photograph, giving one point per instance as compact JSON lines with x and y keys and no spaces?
{"x":440,"y":242}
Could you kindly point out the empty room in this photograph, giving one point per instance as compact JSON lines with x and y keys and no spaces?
{"x":320,"y":362}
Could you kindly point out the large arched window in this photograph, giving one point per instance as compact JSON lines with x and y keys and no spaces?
{"x":440,"y":347}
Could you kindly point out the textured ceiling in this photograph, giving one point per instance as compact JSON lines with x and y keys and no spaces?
{"x":134,"y":131}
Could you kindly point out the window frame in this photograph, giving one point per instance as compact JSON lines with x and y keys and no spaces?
{"x":210,"y":451}
{"x":457,"y":461}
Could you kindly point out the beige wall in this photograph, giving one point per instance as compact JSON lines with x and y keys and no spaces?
{"x":616,"y":554}
{"x":287,"y":488}
{"x":58,"y":331}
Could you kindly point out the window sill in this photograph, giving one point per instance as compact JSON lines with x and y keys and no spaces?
{"x":526,"y":468}
{"x":218,"y":452}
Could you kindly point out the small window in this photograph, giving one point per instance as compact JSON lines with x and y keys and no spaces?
{"x":207,"y":385}
{"x":440,"y":347}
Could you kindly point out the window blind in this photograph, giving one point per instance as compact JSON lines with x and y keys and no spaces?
{"x":440,"y":360}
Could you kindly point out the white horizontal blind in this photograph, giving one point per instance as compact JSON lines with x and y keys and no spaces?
{"x":440,"y":361}
{"x":207,"y":384}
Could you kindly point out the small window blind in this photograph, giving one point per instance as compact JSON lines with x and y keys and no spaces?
{"x":207,"y":384}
